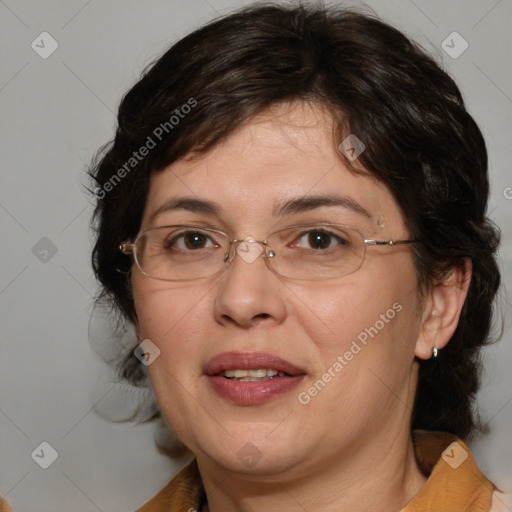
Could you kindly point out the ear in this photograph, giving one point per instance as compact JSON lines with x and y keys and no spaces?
{"x":441,"y":311}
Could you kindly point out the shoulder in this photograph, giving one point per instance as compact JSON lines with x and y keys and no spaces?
{"x":454,"y":479}
{"x":184,"y":492}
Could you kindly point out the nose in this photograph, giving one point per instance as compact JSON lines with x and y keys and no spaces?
{"x":249,"y":293}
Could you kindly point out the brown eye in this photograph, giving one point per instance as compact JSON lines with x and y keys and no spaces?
{"x":319,"y":239}
{"x":189,"y":241}
{"x":195,"y":240}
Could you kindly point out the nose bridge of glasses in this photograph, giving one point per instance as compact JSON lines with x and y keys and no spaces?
{"x":249,"y":249}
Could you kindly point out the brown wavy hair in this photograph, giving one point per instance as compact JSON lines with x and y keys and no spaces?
{"x":420,"y":142}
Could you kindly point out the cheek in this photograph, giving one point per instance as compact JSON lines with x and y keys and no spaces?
{"x":168,"y":314}
{"x":337,"y":313}
{"x":364,"y":338}
{"x":173,"y":318}
{"x":375,"y":310}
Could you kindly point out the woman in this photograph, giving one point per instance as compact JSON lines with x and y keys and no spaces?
{"x":293,"y":217}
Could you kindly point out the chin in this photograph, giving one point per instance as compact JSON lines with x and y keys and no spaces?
{"x":249,"y":460}
{"x":252,"y":455}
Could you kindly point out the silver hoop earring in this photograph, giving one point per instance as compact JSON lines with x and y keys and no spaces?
{"x":434,"y":352}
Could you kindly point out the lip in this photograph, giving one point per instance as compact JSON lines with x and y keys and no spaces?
{"x":250,"y":361}
{"x":251,"y":393}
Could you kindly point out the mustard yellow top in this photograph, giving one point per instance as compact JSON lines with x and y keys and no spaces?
{"x":455,"y":483}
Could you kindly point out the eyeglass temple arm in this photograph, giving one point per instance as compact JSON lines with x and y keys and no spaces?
{"x":389,"y":242}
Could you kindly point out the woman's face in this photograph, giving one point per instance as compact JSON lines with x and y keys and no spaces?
{"x":348,"y":342}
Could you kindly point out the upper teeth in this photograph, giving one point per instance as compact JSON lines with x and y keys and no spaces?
{"x":252,"y":373}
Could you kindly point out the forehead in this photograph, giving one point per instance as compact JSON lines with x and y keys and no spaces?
{"x":285,"y":153}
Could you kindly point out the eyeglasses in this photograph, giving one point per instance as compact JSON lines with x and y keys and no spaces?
{"x":308,"y":252}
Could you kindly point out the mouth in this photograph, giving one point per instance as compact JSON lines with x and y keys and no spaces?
{"x":251,"y":378}
{"x":258,"y":375}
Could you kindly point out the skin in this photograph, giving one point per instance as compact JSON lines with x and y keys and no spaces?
{"x":349,"y":448}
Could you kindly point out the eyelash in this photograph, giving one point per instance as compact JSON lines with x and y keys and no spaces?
{"x":168,"y":244}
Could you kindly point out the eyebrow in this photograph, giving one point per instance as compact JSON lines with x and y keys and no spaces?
{"x":307,"y":203}
{"x":296,"y":205}
{"x":190,"y":204}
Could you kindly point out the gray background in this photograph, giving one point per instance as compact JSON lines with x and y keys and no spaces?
{"x":55,"y":113}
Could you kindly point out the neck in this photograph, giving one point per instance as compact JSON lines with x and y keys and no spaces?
{"x":383,"y":475}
